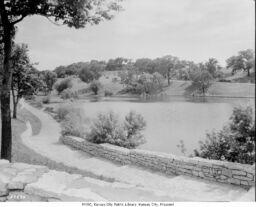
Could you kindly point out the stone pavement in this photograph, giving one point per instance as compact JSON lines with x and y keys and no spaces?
{"x":24,"y":182}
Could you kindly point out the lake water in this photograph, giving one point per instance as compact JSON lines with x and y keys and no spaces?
{"x":172,"y":119}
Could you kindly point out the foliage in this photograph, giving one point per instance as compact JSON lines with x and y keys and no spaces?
{"x":116,"y":64}
{"x":49,"y":78}
{"x":235,"y":142}
{"x":143,"y":83}
{"x":245,"y":60}
{"x":182,"y":147}
{"x":69,"y":94}
{"x":24,"y":81}
{"x":95,"y":86}
{"x":202,"y":80}
{"x":133,"y":125}
{"x":107,"y":129}
{"x":62,"y":111}
{"x":65,"y":71}
{"x":62,"y":85}
{"x":90,"y":72}
{"x":145,"y":65}
{"x":127,"y":77}
{"x":73,"y":120}
{"x":46,"y":100}
{"x":74,"y":124}
{"x":108,"y":93}
{"x":213,"y":67}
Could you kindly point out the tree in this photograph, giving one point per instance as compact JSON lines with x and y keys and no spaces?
{"x":245,"y":60}
{"x":63,"y":85}
{"x":73,"y":13}
{"x":60,"y":71}
{"x":49,"y":78}
{"x":167,"y":66}
{"x":213,"y":67}
{"x":95,"y":86}
{"x":116,"y":64}
{"x":91,"y":71}
{"x":24,"y":81}
{"x":145,"y":65}
{"x":202,"y":81}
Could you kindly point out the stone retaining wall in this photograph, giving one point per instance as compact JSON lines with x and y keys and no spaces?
{"x":213,"y":170}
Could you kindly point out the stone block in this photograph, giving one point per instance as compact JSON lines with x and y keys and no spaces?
{"x":15,"y":185}
{"x":205,"y":169}
{"x":243,"y":182}
{"x":3,"y":189}
{"x":3,"y":198}
{"x":25,"y":178}
{"x":250,"y":175}
{"x":222,"y":177}
{"x":234,"y":181}
{"x":201,"y":174}
{"x":238,"y":172}
{"x":241,"y":177}
{"x":195,"y":173}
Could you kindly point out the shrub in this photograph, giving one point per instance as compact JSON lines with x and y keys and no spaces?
{"x":46,"y":100}
{"x":88,"y":74}
{"x":133,"y":125}
{"x":114,"y":80}
{"x":224,"y":80}
{"x":62,"y":111}
{"x":95,"y":86}
{"x":62,"y":85}
{"x":107,"y":129}
{"x":144,"y":83}
{"x":74,"y":124}
{"x":68,"y":94}
{"x":37,"y":104}
{"x":49,"y":109}
{"x":73,"y":120}
{"x":235,"y":142}
{"x":108,"y":93}
{"x":83,"y":90}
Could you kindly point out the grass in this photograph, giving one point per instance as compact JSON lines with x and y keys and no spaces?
{"x":239,"y":87}
{"x":216,"y":89}
{"x":22,"y":153}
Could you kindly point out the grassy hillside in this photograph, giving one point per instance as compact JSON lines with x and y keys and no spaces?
{"x":216,"y":89}
{"x":110,"y":81}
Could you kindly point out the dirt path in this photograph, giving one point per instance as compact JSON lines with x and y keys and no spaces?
{"x":127,"y":182}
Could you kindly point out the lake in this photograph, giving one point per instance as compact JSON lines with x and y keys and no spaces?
{"x":171,"y":119}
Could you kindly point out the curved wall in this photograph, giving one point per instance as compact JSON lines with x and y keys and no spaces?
{"x":213,"y":170}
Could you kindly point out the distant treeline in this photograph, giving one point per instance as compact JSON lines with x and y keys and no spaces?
{"x":169,"y":66}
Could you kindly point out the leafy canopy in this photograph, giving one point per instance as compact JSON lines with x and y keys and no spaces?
{"x":74,"y":13}
{"x":24,"y":80}
{"x":245,"y":60}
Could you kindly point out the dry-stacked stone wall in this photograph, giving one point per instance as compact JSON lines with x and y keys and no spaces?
{"x":213,"y":170}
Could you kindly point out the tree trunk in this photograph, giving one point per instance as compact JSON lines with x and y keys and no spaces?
{"x":6,"y":145}
{"x":15,"y":103}
{"x":168,"y":77}
{"x":248,"y":72}
{"x":14,"y":113}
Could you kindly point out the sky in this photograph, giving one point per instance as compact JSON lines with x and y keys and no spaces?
{"x":189,"y":29}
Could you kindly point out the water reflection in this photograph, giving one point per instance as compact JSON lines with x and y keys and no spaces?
{"x":173,"y":98}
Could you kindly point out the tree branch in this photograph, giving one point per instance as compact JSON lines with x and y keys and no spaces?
{"x":51,"y":20}
{"x":18,"y":20}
